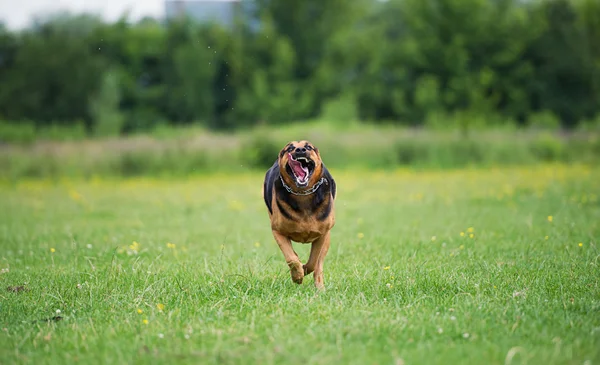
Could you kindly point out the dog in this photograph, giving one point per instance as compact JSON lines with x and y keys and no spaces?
{"x":300,"y":193}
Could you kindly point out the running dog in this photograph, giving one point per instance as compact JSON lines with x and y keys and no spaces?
{"x":300,"y":194}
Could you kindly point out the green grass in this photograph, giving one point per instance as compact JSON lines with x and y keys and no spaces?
{"x":403,"y":284}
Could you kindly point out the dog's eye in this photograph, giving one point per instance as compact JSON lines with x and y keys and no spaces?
{"x":309,"y":147}
{"x":290,"y":148}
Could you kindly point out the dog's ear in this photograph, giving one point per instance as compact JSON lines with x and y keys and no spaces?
{"x":316,"y":151}
{"x":284,"y":150}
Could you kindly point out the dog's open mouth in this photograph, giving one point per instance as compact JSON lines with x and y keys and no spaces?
{"x":301,"y":168}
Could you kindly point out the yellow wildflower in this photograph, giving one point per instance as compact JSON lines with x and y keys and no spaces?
{"x":470,"y":229}
{"x":170,"y":245}
{"x":140,"y":311}
{"x":386,"y":268}
{"x":145,"y":321}
{"x":546,"y":237}
{"x":550,"y":218}
{"x":433,"y":238}
{"x":52,"y":250}
{"x":462,"y":234}
{"x":580,"y":244}
{"x":160,"y":306}
{"x":471,"y":235}
{"x":134,"y":246}
{"x":75,"y":195}
{"x":256,"y":244}
{"x":360,"y":235}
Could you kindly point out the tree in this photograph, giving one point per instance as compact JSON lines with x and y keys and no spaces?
{"x":51,"y":75}
{"x":565,"y":72}
{"x":188,"y":74}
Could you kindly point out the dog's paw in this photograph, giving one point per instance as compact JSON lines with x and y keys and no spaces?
{"x":297,"y":272}
{"x":307,"y":269}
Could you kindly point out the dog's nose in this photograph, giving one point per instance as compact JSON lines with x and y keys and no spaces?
{"x":300,"y":150}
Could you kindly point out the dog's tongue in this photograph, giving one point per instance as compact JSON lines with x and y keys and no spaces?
{"x":297,"y":168}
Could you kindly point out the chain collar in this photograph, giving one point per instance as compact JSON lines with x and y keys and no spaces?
{"x":304,"y":192}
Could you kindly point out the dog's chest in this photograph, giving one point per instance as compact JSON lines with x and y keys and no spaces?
{"x":301,"y":223}
{"x":304,"y":237}
{"x":305,"y":231}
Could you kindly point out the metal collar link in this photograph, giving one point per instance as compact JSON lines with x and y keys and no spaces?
{"x":305,"y":192}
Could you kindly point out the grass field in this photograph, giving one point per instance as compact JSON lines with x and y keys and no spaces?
{"x":482,"y":266}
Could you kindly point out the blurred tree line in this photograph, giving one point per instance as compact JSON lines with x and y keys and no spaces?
{"x":412,"y":62}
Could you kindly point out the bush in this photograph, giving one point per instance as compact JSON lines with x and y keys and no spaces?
{"x":590,"y":125}
{"x":259,"y":151}
{"x":108,"y":119}
{"x":548,"y":148}
{"x":544,"y":120}
{"x":62,"y":132}
{"x":14,"y":166}
{"x":342,"y":109}
{"x":411,"y":152}
{"x":26,"y":132}
{"x":17,"y":132}
{"x":456,"y":152}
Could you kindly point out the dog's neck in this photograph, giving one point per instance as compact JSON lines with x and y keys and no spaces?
{"x":308,"y":191}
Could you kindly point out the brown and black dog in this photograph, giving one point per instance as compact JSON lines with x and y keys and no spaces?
{"x":300,"y":193}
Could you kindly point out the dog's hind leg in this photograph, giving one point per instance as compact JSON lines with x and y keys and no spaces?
{"x":315,"y":250}
{"x":292,"y":259}
{"x":318,"y":251}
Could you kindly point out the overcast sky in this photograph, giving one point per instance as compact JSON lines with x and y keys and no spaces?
{"x":17,"y":13}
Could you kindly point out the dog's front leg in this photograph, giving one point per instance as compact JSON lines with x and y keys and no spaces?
{"x":292,"y":259}
{"x":318,"y":251}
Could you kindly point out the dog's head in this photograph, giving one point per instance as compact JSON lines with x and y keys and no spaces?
{"x":300,"y":164}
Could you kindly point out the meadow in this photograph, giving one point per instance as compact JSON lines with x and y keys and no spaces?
{"x":494,"y":265}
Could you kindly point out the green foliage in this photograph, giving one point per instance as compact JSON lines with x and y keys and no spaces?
{"x":457,"y":151}
{"x":268,"y":91}
{"x":460,"y":64}
{"x":546,"y":147}
{"x":567,"y":67}
{"x":49,"y":74}
{"x":107,"y":117}
{"x":259,"y":151}
{"x":190,"y":68}
{"x":22,"y":132}
{"x":173,"y":161}
{"x":62,"y":131}
{"x":427,"y":94}
{"x":590,"y":125}
{"x":340,"y":110}
{"x":544,"y":120}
